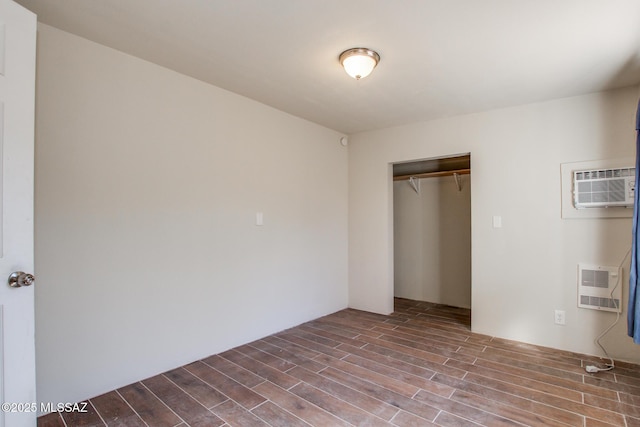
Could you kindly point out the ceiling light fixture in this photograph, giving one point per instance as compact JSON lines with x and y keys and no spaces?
{"x":358,"y":62}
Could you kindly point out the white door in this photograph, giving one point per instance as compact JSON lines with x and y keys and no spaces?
{"x":17,"y":93}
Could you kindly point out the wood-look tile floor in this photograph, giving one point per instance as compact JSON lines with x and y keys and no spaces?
{"x":419,"y":366}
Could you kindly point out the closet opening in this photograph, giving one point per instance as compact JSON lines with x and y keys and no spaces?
{"x":432,"y":231}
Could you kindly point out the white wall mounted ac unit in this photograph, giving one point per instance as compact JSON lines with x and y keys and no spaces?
{"x":595,"y":284}
{"x":604,"y":188}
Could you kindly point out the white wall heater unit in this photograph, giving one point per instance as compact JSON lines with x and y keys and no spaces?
{"x":595,"y":284}
{"x":604,"y":188}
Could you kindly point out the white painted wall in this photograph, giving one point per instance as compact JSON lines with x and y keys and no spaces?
{"x":432,"y":241}
{"x":147,"y":188}
{"x":526,"y":269}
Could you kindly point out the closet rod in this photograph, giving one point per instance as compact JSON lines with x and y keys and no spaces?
{"x":433,"y":174}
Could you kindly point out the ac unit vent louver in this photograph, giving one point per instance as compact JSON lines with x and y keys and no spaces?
{"x":603,"y":188}
{"x":595,"y":284}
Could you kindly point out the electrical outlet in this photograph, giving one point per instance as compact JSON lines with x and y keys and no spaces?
{"x":560,"y":317}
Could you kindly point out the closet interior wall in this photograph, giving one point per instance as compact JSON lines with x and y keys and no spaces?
{"x":432,"y":239}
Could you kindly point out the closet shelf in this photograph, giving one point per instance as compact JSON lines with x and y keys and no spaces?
{"x":433,"y":174}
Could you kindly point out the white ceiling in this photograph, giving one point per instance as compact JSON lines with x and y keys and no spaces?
{"x":439,"y":57}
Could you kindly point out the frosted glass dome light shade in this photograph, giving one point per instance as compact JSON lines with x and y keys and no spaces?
{"x":359,"y":62}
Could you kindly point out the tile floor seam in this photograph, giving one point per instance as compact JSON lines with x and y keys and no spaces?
{"x":310,"y":403}
{"x":342,"y":400}
{"x":356,"y":390}
{"x":162,"y":401}
{"x":63,"y":420}
{"x":130,"y":406}
{"x":97,"y":412}
{"x":183,"y":390}
{"x":536,"y":402}
{"x":249,"y":371}
{"x":280,"y":407}
{"x":570,"y":402}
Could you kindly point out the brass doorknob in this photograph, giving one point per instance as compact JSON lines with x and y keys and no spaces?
{"x":17,"y":279}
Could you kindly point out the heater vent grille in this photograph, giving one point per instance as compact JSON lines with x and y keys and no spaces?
{"x":595,"y":286}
